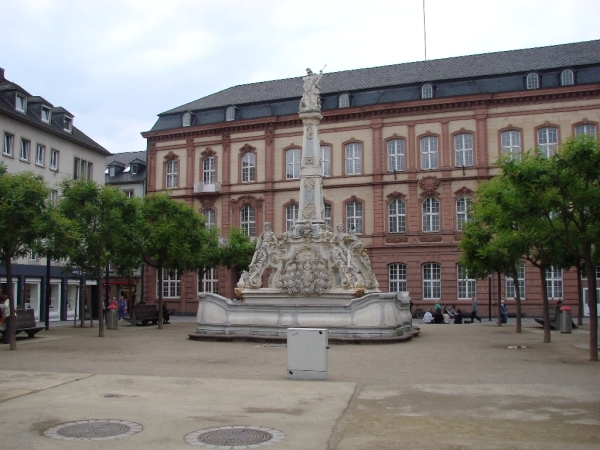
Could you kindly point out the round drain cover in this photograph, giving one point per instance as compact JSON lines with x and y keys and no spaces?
{"x":93,"y":430}
{"x":234,"y":436}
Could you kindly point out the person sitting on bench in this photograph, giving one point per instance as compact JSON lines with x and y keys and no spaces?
{"x":166,"y":316}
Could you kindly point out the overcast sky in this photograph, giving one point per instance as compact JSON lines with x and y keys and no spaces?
{"x":116,"y":64}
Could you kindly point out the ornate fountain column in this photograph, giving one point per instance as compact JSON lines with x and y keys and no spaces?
{"x":311,"y":179}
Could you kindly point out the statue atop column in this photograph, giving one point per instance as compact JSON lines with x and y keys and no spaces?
{"x":311,"y":101}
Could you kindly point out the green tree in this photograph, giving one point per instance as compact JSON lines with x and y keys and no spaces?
{"x":237,"y":251}
{"x":23,"y":199}
{"x":174,"y":237}
{"x":97,"y":214}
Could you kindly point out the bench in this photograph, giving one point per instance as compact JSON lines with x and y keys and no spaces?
{"x":555,"y":322}
{"x":143,"y":314}
{"x":25,"y":323}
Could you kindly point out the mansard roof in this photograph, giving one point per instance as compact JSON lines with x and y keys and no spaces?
{"x":124,"y":160}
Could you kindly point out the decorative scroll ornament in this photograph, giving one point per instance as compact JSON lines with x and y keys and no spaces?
{"x":435,"y":238}
{"x":309,"y":161}
{"x":309,"y":211}
{"x":429,"y":184}
{"x":309,"y":183}
{"x":306,"y":273}
{"x":309,"y":132}
{"x":396,"y":239}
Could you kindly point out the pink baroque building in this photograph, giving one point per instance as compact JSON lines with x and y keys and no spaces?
{"x":403,"y":150}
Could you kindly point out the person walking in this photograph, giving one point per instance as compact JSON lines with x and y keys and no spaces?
{"x":503,"y":312}
{"x":122,"y":308}
{"x":474,"y":309}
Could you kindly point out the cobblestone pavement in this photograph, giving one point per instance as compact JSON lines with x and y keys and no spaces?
{"x":476,"y":386}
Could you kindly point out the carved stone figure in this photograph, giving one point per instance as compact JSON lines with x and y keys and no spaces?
{"x":311,"y":100}
{"x":265,"y":244}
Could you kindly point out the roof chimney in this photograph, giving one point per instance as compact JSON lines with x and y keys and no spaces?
{"x":2,"y":74}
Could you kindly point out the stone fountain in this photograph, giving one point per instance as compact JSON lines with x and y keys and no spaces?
{"x":319,"y":278}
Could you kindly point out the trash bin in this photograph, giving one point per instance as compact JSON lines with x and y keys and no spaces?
{"x":112,"y":319}
{"x":566,"y":321}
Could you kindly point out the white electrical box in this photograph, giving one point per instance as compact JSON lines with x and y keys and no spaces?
{"x":307,"y":353}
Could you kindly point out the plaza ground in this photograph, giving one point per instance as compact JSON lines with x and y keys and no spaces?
{"x":452,"y":387}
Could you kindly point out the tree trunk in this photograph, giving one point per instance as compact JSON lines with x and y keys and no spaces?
{"x":11,"y":321}
{"x":546,"y":312}
{"x":82,"y":299}
{"x":590,"y":268}
{"x":499,"y":299}
{"x":515,"y":277}
{"x":160,"y":298}
{"x":579,"y":297}
{"x":48,"y":293}
{"x":100,"y":301}
{"x":129,"y":305}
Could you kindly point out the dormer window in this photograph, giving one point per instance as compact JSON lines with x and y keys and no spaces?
{"x":567,"y":78}
{"x":68,"y":124}
{"x":533,"y":81}
{"x":45,"y":114}
{"x":112,"y":171}
{"x":427,"y":91}
{"x":344,"y":101}
{"x":230,"y":114}
{"x":186,"y":119}
{"x":134,"y":169}
{"x":21,"y":103}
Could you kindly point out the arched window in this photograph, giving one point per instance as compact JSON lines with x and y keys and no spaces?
{"x":511,"y":144}
{"x":547,"y":141}
{"x":230,"y":113}
{"x":292,"y":163}
{"x":567,"y":78}
{"x":463,"y":150}
{"x":172,"y":173}
{"x":354,"y":217}
{"x":427,"y":91}
{"x":431,"y":215}
{"x":463,"y":207}
{"x":397,"y":277}
{"x":186,"y":119}
{"x":510,"y":283}
{"x":248,"y":167}
{"x":353,"y":158}
{"x":209,"y":172}
{"x":209,"y":217}
{"x":344,"y":101}
{"x":467,"y":285}
{"x":429,"y":153}
{"x":397,"y":216}
{"x":326,"y":160}
{"x":291,"y":216}
{"x":327,"y":214}
{"x":587,"y":128}
{"x":533,"y":81}
{"x":395,"y":150}
{"x":432,"y":281}
{"x":248,"y":220}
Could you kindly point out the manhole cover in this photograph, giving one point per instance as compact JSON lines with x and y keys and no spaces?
{"x":93,"y":430}
{"x":235,"y":436}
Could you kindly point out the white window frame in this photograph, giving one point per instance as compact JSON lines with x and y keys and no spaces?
{"x":248,"y":220}
{"x":547,"y":140}
{"x":429,"y":146}
{"x":209,"y":170}
{"x":9,"y":144}
{"x":129,"y":193}
{"x":291,"y":215}
{"x":395,"y":152}
{"x":210,"y":217}
{"x":532,"y":81}
{"x":467,"y":286}
{"x":431,"y":215}
{"x":54,"y":154}
{"x":46,"y":114}
{"x":511,"y":144}
{"x":344,"y":101}
{"x":53,"y":196}
{"x":510,"y":283}
{"x":585,"y":128}
{"x":25,"y":151}
{"x":134,"y":169}
{"x":172,"y":174}
{"x":171,"y":284}
{"x":463,"y":206}
{"x":68,"y":124}
{"x":21,"y":103}
{"x":397,"y":277}
{"x":230,"y":113}
{"x":554,"y":282}
{"x":567,"y":78}
{"x":325,"y":151}
{"x":327,"y":211}
{"x":432,"y":281}
{"x":112,"y":171}
{"x":426,"y":91}
{"x":82,"y":169}
{"x":463,"y":150}
{"x":397,"y":216}
{"x":292,"y":163}
{"x":353,"y":158}
{"x":210,"y":280}
{"x":354,"y":217}
{"x":40,"y":154}
{"x":186,"y":119}
{"x":248,"y":167}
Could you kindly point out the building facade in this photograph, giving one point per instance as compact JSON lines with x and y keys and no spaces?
{"x":42,"y":138}
{"x":403,"y":150}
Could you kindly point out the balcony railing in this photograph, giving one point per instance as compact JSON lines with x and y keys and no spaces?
{"x":202,"y":187}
